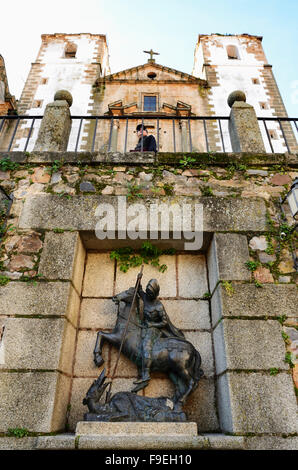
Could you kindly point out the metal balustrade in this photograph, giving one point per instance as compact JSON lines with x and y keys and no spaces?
{"x":201,"y":133}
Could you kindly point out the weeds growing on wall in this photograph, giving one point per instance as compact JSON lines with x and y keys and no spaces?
{"x":6,"y":164}
{"x":127,"y":257}
{"x":185,"y":162}
{"x":18,"y":432}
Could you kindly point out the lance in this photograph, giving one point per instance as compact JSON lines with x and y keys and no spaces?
{"x":139,"y":277}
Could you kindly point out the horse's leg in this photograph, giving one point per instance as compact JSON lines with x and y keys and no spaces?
{"x":188,"y":376}
{"x":98,"y":360}
{"x":185,"y":386}
{"x":102,"y":337}
{"x":180,"y":389}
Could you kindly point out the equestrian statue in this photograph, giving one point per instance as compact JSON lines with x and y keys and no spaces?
{"x":148,"y":338}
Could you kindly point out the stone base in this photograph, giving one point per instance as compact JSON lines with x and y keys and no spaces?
{"x":103,"y":428}
{"x":138,"y":435}
{"x":142,"y":441}
{"x":149,"y":435}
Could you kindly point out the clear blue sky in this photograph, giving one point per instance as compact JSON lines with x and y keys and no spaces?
{"x":170,"y":27}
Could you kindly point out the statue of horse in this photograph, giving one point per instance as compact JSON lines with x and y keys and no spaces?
{"x":174,"y":356}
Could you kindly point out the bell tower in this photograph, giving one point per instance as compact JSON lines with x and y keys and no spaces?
{"x":238,"y":62}
{"x":65,"y":61}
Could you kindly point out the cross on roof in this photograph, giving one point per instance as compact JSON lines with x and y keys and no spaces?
{"x":151,"y":52}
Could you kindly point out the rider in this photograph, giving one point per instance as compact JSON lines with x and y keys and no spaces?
{"x":156,"y":324}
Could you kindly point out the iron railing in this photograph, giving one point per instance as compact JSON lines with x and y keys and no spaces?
{"x":8,"y":133}
{"x":278,"y":120}
{"x":213,"y":133}
{"x":156,"y":119}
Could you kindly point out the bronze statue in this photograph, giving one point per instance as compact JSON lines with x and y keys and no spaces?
{"x":128,"y":406}
{"x":156,"y":324}
{"x":152,"y":343}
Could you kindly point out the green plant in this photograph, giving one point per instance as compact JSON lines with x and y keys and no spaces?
{"x":18,"y":432}
{"x":148,"y":254}
{"x":134,"y":191}
{"x":206,"y":191}
{"x":252,"y":265}
{"x":31,"y":279}
{"x":168,"y":189}
{"x":270,"y":223}
{"x":111,"y":172}
{"x":236,"y":166}
{"x":56,"y":166}
{"x":285,"y":232}
{"x":58,"y":230}
{"x":274,"y":371}
{"x":228,"y":287}
{"x":282,"y":319}
{"x":6,"y":164}
{"x":3,"y":216}
{"x":242,"y":167}
{"x":270,"y":249}
{"x":258,"y":283}
{"x":64,"y":194}
{"x":207,"y":295}
{"x":285,"y":337}
{"x":288,"y":359}
{"x":83,"y":170}
{"x":158,"y":171}
{"x":4,"y":280}
{"x":186,"y":161}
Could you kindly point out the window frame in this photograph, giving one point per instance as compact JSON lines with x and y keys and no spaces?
{"x":143,"y":95}
{"x":69,"y":53}
{"x":236,"y":50}
{"x":264,"y":105}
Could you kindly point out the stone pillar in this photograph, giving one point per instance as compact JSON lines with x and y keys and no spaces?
{"x":38,"y":338}
{"x":184,"y":137}
{"x":56,"y":124}
{"x":114,"y":137}
{"x":244,"y":128}
{"x":255,"y":392}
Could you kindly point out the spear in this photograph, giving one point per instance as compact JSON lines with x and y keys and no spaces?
{"x":139,"y":277}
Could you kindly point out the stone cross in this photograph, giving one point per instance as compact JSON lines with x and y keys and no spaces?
{"x":151,"y":52}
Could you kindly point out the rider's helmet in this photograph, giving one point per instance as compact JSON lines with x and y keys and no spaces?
{"x":152,"y":289}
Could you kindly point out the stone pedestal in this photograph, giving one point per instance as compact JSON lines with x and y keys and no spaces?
{"x":244,"y":129}
{"x":55,"y":128}
{"x":138,"y":435}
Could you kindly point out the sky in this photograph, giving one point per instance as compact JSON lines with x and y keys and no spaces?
{"x":170,"y":27}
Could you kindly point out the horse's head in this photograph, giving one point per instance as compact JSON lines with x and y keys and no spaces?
{"x":124,"y":301}
{"x":125,"y":296}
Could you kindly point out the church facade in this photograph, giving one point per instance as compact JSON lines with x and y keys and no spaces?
{"x":79,"y":63}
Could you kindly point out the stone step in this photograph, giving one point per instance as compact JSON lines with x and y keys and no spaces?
{"x":202,"y":441}
{"x":102,"y":428}
{"x":179,"y":440}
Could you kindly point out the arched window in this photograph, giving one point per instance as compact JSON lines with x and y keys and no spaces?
{"x":70,"y":50}
{"x":232,"y":52}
